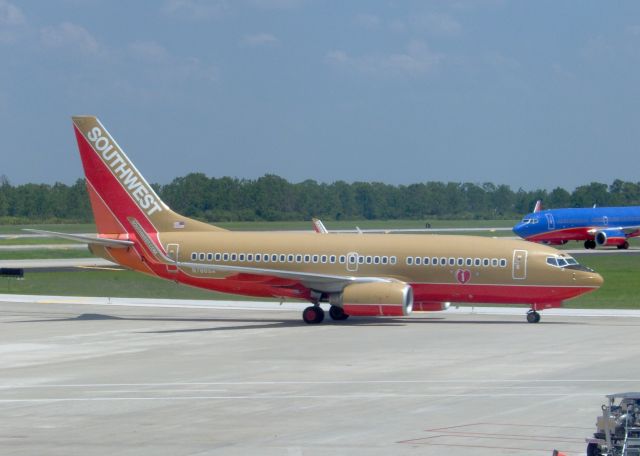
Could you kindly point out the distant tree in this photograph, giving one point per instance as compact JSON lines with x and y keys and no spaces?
{"x":588,"y":195}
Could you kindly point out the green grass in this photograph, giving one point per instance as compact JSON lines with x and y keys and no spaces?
{"x":620,"y":290}
{"x":44,"y":254}
{"x":290,"y":225}
{"x":124,"y":284}
{"x":63,"y":228}
{"x":34,"y":241}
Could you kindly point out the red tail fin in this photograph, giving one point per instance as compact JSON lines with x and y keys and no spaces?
{"x":118,"y":191}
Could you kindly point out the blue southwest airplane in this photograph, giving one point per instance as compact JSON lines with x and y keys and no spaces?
{"x":596,"y":226}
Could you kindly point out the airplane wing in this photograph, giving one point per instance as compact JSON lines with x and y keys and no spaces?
{"x":105,"y":242}
{"x":422,"y":230}
{"x":627,"y":230}
{"x":323,"y":282}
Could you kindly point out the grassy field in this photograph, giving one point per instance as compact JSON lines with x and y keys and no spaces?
{"x":293,"y":225}
{"x":44,"y":254}
{"x":114,"y":284}
{"x":620,"y":290}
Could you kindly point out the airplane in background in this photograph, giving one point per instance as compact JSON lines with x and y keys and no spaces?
{"x":604,"y":226}
{"x":359,"y":274}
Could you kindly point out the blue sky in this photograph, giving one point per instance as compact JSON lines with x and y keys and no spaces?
{"x":529,"y":94}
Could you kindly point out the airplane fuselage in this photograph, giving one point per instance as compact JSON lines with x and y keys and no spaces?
{"x":439,"y":268}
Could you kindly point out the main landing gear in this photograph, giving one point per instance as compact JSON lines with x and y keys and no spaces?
{"x":624,"y":245}
{"x":533,"y":316}
{"x":337,"y":313}
{"x":589,"y":244}
{"x":313,"y":315}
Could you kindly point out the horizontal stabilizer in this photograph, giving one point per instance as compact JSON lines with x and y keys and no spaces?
{"x":113,"y":243}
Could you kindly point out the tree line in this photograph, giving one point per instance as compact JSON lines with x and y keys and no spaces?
{"x":271,"y":198}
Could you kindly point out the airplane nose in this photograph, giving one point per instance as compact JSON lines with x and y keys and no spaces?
{"x":591,"y":279}
{"x":597,"y":280}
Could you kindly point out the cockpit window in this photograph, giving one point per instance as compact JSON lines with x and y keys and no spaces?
{"x":529,"y":221}
{"x":566,"y":262}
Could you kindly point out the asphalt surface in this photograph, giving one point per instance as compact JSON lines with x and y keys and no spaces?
{"x":156,"y":377}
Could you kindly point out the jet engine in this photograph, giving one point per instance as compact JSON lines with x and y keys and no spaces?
{"x":610,"y":237}
{"x":393,"y":299}
{"x":430,"y":306}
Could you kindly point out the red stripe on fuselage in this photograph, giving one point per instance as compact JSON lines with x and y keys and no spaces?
{"x":498,"y":294}
{"x":567,"y":234}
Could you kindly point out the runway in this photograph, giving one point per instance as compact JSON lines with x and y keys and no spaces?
{"x":205,"y":378}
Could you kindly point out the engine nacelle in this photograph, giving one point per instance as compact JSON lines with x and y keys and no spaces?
{"x":375,"y":299}
{"x":430,"y":306}
{"x":610,"y":237}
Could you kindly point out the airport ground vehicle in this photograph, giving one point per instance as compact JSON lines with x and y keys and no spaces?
{"x":618,"y":428}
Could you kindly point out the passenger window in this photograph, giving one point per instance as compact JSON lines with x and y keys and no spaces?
{"x":258,"y":258}
{"x":409,"y":261}
{"x":418,"y":261}
{"x":443,"y":261}
{"x":360,"y":260}
{"x":503,"y":263}
{"x":290,"y":258}
{"x":343,"y":259}
{"x":315,"y":258}
{"x":283,"y":258}
{"x":201,"y":256}
{"x":460,"y":261}
{"x":494,"y":262}
{"x":368,"y":260}
{"x":477,"y":262}
{"x":452,"y":261}
{"x":298,"y":258}
{"x":194,"y":256}
{"x":393,"y":260}
{"x":485,"y":262}
{"x":323,"y":259}
{"x":241,"y":257}
{"x":425,"y":261}
{"x":469,"y":262}
{"x":249,"y":256}
{"x":274,"y":258}
{"x":218,"y":256}
{"x":332,"y":259}
{"x":265,"y":257}
{"x":225,"y":257}
{"x":307,"y":258}
{"x":234,"y":257}
{"x":385,"y":260}
{"x":209,"y":256}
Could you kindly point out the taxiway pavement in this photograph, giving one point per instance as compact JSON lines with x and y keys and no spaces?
{"x":132,"y":378}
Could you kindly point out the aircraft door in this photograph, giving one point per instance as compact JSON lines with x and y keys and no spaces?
{"x":352,"y":261}
{"x":519,"y":271}
{"x":551,"y":223}
{"x":172,"y":252}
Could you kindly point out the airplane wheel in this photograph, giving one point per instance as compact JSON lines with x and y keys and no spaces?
{"x":313,"y":315}
{"x":337,"y":313}
{"x":624,"y":246}
{"x":590,"y":244}
{"x":533,"y":316}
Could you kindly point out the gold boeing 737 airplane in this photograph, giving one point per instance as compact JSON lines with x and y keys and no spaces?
{"x":358,"y":274}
